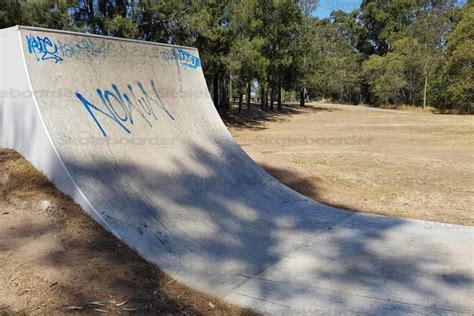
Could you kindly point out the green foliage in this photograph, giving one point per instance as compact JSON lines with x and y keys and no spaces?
{"x":460,"y":65}
{"x":280,"y":20}
{"x":308,"y":7}
{"x":381,"y":19}
{"x":161,"y":21}
{"x":246,"y":61}
{"x":334,"y":65}
{"x":39,"y":13}
{"x":411,"y":43}
{"x":11,"y":14}
{"x":385,"y":76}
{"x":120,"y":26}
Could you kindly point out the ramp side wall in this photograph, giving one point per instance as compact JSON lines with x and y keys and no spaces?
{"x":21,"y":125}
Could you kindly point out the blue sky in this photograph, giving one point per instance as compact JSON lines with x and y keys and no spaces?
{"x":326,"y":6}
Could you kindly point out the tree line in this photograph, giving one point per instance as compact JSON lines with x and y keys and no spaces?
{"x":412,"y":52}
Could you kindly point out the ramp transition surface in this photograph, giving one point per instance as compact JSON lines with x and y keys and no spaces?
{"x":129,"y":131}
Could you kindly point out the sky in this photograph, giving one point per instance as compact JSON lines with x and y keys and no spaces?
{"x":327,"y":6}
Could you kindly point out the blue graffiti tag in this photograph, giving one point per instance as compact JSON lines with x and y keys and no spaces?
{"x":187,"y":59}
{"x":83,"y":47}
{"x":43,"y":48}
{"x":120,"y":106}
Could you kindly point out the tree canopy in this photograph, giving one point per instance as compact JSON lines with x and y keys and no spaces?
{"x":417,"y":52}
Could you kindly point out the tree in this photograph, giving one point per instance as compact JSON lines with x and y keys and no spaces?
{"x":302,"y":52}
{"x":431,"y":28}
{"x":282,"y":19}
{"x":308,"y":7}
{"x":11,"y":13}
{"x":386,"y":77}
{"x":414,"y":36}
{"x":166,"y":21}
{"x":380,"y":20}
{"x":40,"y":13}
{"x":460,"y":65}
{"x":247,"y":63}
{"x":107,"y":17}
{"x":246,"y":60}
{"x":334,"y":66}
{"x":208,"y":24}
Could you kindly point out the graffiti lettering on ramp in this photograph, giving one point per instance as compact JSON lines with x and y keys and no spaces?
{"x":120,"y":107}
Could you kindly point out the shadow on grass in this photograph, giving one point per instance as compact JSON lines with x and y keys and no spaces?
{"x":306,"y":185}
{"x":256,"y":118}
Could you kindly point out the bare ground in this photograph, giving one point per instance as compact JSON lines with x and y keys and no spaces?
{"x":389,"y":162}
{"x":55,"y":259}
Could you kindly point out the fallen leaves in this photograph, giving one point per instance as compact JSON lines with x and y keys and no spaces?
{"x":102,"y":307}
{"x":74,"y":308}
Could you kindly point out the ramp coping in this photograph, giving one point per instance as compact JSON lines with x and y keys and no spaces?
{"x":111,"y":38}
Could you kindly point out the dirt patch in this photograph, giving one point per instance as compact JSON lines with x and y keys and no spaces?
{"x":55,"y":259}
{"x":389,"y":162}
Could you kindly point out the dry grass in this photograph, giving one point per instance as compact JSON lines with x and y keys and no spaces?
{"x":411,"y":108}
{"x":405,"y":164}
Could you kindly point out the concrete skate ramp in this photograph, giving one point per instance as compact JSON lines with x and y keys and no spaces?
{"x":129,"y":131}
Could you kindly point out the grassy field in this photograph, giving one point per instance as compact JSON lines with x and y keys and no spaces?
{"x":398,"y":163}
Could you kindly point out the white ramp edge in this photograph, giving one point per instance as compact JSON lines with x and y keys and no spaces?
{"x":129,"y":131}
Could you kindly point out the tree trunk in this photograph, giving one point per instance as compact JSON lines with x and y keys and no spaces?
{"x":279,"y":96}
{"x":133,"y":11}
{"x":272,"y":99}
{"x":302,"y":97}
{"x":121,"y":7}
{"x":266,"y":99}
{"x":103,"y":7}
{"x":229,"y":91}
{"x":249,"y":93}
{"x":241,"y":98}
{"x":215,"y":90}
{"x":224,"y":97}
{"x":424,"y":91}
{"x":425,"y":88}
{"x":262,"y":97}
{"x":91,"y":15}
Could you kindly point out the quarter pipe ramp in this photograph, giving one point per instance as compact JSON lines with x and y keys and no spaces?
{"x":128,"y":130}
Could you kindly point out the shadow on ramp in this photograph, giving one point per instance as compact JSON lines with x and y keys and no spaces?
{"x":301,"y":256}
